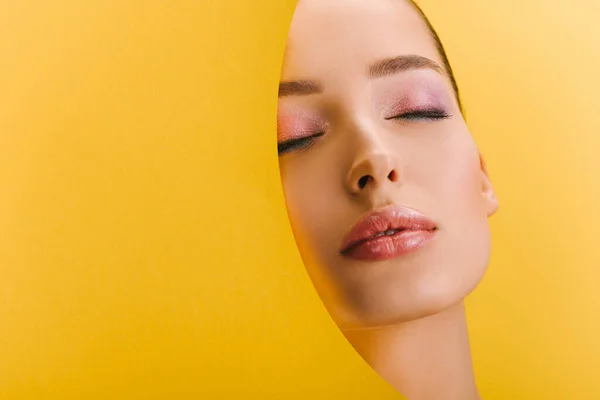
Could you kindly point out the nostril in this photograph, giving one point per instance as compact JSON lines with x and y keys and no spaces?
{"x":362,"y":182}
{"x":393,"y":176}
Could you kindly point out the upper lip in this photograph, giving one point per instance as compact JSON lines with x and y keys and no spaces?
{"x":390,"y":218}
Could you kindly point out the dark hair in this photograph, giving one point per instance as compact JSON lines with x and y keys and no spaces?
{"x":442,"y":52}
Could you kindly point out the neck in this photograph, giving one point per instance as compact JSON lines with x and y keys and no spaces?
{"x":425,"y":359}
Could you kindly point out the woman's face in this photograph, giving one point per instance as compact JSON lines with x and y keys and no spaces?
{"x":368,"y":122}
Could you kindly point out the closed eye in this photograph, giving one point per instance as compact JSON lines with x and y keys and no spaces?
{"x":421,"y":115}
{"x":297,"y":144}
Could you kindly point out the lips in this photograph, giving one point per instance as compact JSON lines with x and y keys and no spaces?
{"x":388,"y":233}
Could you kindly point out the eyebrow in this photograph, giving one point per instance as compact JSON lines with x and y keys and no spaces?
{"x":394,"y":65}
{"x":303,"y":87}
{"x":381,"y":68}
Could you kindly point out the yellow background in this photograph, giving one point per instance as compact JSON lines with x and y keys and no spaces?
{"x":144,"y":247}
{"x":528,"y":71}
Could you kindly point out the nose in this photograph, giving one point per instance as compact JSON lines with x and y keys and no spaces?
{"x":371,"y":171}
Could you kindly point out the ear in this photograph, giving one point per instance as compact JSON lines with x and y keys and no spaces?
{"x":487,"y":190}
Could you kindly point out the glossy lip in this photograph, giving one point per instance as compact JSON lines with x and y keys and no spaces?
{"x":407,"y":230}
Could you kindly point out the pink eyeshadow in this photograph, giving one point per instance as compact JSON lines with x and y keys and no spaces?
{"x":415,"y":95}
{"x":297,"y":124}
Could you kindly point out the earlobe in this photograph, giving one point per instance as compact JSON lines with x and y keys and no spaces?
{"x":487,"y":189}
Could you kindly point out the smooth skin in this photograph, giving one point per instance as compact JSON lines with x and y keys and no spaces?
{"x":349,"y":116}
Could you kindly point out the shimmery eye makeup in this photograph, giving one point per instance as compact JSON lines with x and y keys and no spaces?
{"x":415,"y":98}
{"x":298,"y":130}
{"x":297,"y":144}
{"x":416,"y":105}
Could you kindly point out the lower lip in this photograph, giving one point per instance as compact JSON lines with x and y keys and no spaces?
{"x":388,"y":247}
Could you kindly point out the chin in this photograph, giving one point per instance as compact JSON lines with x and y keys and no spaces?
{"x":375,"y":309}
{"x":406,"y":316}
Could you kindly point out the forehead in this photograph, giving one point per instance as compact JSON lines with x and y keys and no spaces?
{"x":334,"y":38}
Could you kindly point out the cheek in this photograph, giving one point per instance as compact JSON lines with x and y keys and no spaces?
{"x":453,"y":177}
{"x":462,"y":184}
{"x":455,"y":184}
{"x":310,"y":196}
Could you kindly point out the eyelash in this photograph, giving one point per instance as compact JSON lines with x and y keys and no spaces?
{"x":422,"y":115}
{"x":297,"y":144}
{"x":416,"y":116}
